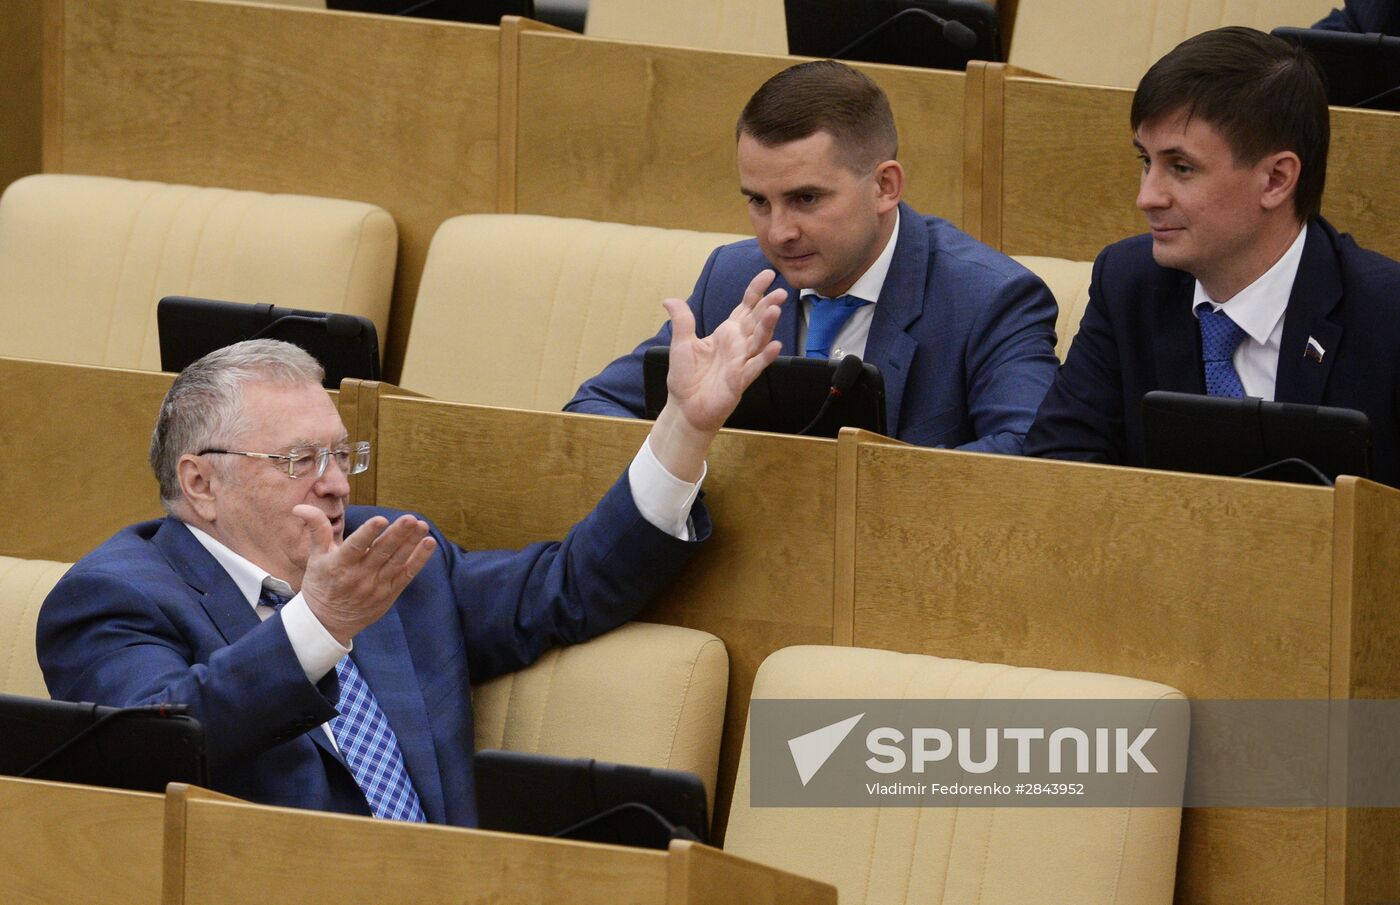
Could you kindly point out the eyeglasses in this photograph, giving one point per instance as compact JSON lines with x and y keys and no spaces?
{"x":310,"y":461}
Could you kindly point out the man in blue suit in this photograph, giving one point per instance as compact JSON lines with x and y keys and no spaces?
{"x":329,"y":650}
{"x":1241,"y":288}
{"x":963,"y":335}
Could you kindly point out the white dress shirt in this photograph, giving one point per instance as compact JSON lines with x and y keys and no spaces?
{"x":1258,"y":310}
{"x":850,"y":339}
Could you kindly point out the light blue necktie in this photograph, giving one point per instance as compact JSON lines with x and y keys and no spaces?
{"x":367,"y":742}
{"x":1220,"y":337}
{"x":827,"y":318}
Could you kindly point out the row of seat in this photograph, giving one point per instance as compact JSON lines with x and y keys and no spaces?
{"x":1053,"y":37}
{"x":655,"y":695}
{"x":512,"y":310}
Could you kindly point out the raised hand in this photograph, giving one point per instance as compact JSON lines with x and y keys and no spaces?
{"x":349,"y":585}
{"x":708,"y":376}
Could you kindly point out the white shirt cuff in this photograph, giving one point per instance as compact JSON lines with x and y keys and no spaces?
{"x":663,"y":499}
{"x":317,"y":650}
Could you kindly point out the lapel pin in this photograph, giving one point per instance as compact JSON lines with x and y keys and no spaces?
{"x":1314,"y":350}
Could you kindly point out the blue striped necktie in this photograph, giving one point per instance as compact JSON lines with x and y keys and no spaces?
{"x":367,"y":741}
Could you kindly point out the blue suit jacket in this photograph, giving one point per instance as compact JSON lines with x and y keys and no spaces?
{"x":150,"y":616}
{"x":1138,"y":334}
{"x":964,"y":336}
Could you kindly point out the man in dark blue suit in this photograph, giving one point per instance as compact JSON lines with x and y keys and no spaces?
{"x":963,"y":335}
{"x":1241,"y":288}
{"x":330,"y":650}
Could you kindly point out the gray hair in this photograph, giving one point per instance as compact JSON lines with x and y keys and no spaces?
{"x":204,"y":406}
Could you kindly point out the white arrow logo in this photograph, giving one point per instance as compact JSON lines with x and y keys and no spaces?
{"x":812,"y":750}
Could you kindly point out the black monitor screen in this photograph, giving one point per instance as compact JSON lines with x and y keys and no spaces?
{"x":140,"y":748}
{"x":346,"y":345}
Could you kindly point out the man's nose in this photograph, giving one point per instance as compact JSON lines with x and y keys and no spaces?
{"x":1150,"y":194}
{"x":335,"y":482}
{"x":783,"y":226}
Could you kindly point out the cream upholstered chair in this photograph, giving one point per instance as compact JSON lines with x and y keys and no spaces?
{"x":1109,"y":42}
{"x":754,"y":26}
{"x":1069,"y":283}
{"x":517,"y":310}
{"x":993,"y":856}
{"x":644,"y":694}
{"x":84,"y":259}
{"x":24,"y":583}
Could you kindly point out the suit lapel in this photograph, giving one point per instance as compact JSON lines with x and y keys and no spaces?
{"x":890,"y":347}
{"x":380,"y":654}
{"x":1316,"y":291}
{"x":786,"y":330}
{"x":225,"y":605}
{"x":1177,"y":336}
{"x":212,"y":588}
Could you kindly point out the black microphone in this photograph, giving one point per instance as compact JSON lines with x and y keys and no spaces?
{"x":959,"y":35}
{"x":954,"y":32}
{"x":337,"y":326}
{"x":842,"y":380}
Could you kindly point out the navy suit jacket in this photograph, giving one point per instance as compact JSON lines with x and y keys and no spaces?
{"x":150,"y":617}
{"x":963,"y":335}
{"x":1138,"y":334}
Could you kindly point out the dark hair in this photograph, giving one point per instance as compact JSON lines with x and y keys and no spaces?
{"x":1263,"y":94}
{"x":823,"y":96}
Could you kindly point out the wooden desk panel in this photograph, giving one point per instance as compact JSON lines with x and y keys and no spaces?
{"x":67,"y":843}
{"x":73,"y":443}
{"x":644,"y":134}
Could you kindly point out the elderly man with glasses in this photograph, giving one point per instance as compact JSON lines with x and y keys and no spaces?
{"x":329,"y":650}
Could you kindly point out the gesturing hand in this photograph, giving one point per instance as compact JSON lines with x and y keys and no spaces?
{"x":707,"y":376}
{"x":349,"y":585}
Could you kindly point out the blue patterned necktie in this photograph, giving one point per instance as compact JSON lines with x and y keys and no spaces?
{"x":826,"y":319}
{"x":367,"y":742}
{"x":1220,"y":336}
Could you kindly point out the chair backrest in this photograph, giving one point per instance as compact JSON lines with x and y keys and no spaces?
{"x":1069,"y":282}
{"x":517,"y":310}
{"x":85,"y":259}
{"x":1108,"y":42}
{"x":989,"y":855}
{"x":24,"y":583}
{"x":755,"y":26}
{"x":645,"y":694}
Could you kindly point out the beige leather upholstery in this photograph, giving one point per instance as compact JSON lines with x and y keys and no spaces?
{"x":641,"y":694}
{"x":1069,"y":283}
{"x":24,"y":583}
{"x":992,"y":856}
{"x":84,"y":259}
{"x":518,"y":310}
{"x":1110,"y":42}
{"x":755,"y":26}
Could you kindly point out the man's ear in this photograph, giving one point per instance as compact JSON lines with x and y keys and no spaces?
{"x":200,"y":485}
{"x":889,"y":185}
{"x":1279,"y":174}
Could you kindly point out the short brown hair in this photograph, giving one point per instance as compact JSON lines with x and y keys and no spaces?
{"x":1263,"y":94}
{"x":827,"y":96}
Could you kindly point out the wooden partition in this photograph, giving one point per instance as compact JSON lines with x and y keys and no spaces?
{"x":1060,"y":175}
{"x":643,"y":134}
{"x":1225,"y":589}
{"x":500,"y":478}
{"x":67,"y":843}
{"x":398,"y":112}
{"x":304,"y":856}
{"x":73,"y":443}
